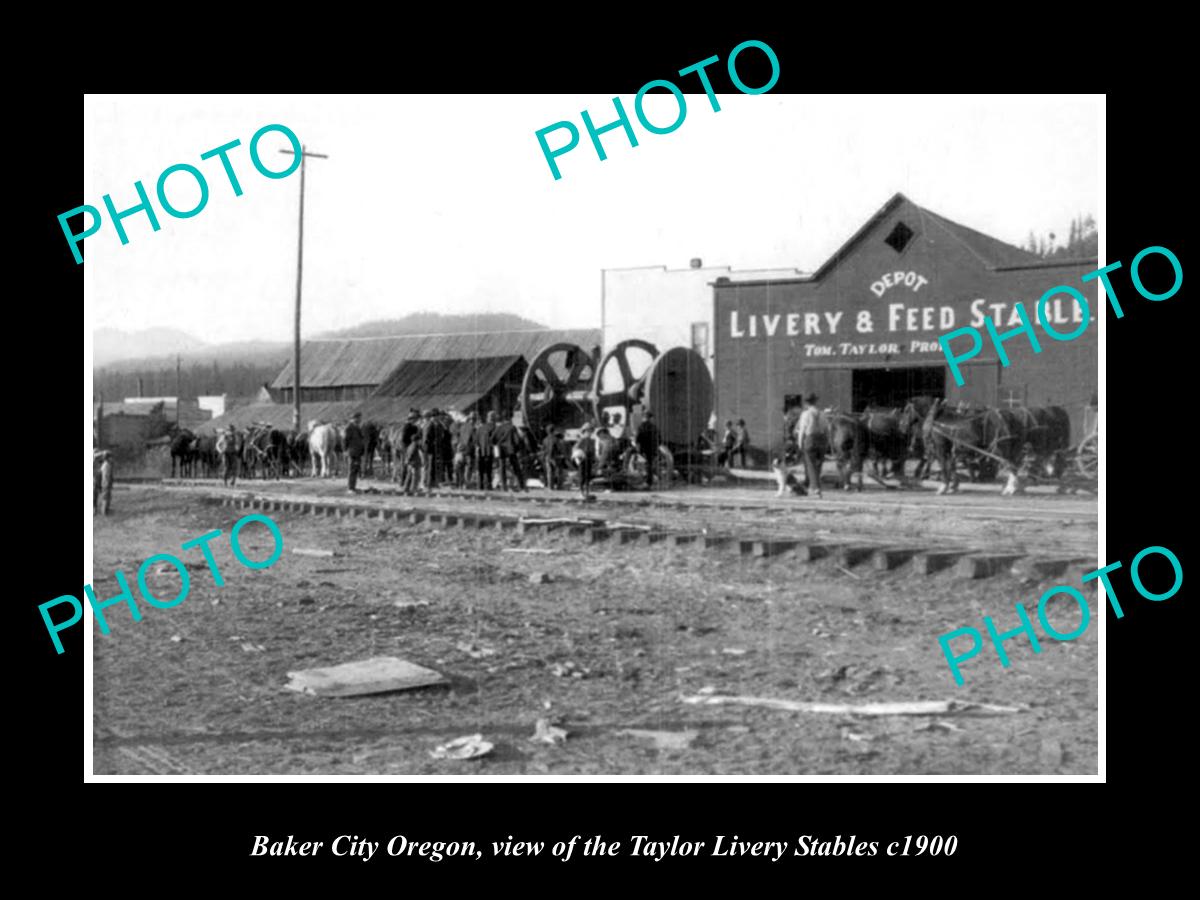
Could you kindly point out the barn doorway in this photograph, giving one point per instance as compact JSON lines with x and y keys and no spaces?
{"x":895,"y":387}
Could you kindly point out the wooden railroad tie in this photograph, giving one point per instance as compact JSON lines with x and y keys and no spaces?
{"x":768,"y":548}
{"x":933,"y":561}
{"x":986,"y":565}
{"x":888,"y":558}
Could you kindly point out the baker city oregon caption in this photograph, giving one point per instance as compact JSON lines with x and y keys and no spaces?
{"x":640,"y":845}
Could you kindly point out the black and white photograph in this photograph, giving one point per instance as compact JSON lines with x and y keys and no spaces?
{"x":698,"y":432}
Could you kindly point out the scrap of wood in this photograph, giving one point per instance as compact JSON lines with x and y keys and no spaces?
{"x":369,"y":676}
{"x":914,"y":708}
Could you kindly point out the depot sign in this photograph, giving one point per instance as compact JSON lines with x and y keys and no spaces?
{"x":900,"y":315}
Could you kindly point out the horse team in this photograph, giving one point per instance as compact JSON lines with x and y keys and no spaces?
{"x":263,"y":451}
{"x":984,"y":440}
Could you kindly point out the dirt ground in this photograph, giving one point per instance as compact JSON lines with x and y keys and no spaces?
{"x":593,"y":638}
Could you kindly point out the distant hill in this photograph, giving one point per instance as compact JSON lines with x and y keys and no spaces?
{"x":240,"y":368}
{"x":251,"y":353}
{"x":112,"y":344}
{"x":436,"y":323}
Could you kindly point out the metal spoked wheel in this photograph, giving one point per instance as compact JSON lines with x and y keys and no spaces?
{"x":1087,"y":457}
{"x":555,"y":390}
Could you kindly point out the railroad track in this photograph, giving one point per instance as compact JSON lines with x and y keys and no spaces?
{"x":881,"y":551}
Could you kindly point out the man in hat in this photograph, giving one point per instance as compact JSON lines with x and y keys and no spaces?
{"x":647,"y":443}
{"x":584,"y":457}
{"x":485,"y":434}
{"x":812,"y":437}
{"x":355,"y":443}
{"x":429,"y":446}
{"x":102,"y":482}
{"x":741,"y":443}
{"x":229,"y":448}
{"x":725,"y":457}
{"x":552,"y":458}
{"x":464,"y":451}
{"x":511,"y":443}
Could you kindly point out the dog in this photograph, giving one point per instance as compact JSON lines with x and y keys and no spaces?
{"x":785,"y":476}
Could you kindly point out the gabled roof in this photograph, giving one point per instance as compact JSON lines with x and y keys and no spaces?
{"x":436,"y":384}
{"x":991,"y":252}
{"x":369,"y":361}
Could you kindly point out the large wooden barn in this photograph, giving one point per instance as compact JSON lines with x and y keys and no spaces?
{"x":863,"y":328}
{"x":384,"y":378}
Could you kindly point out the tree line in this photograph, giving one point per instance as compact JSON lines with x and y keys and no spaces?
{"x":194,"y":380}
{"x":1083,"y":241}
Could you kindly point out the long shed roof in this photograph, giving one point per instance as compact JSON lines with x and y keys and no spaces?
{"x":436,"y":384}
{"x":369,"y":361}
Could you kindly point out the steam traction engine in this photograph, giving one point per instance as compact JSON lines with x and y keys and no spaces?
{"x":567,"y":387}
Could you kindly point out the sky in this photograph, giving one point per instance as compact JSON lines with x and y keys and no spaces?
{"x":446,"y":203}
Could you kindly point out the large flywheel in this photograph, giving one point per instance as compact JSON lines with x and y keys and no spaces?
{"x":620,"y":378}
{"x":556,"y":388}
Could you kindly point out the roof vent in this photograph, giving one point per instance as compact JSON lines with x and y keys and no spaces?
{"x":696,"y":262}
{"x":900,"y":237}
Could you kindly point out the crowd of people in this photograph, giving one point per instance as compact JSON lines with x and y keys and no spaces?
{"x":433,"y":448}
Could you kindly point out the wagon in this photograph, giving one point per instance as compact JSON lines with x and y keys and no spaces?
{"x":1087,"y":451}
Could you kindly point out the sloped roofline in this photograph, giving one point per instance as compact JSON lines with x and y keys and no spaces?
{"x":429,"y":334}
{"x":844,"y":250}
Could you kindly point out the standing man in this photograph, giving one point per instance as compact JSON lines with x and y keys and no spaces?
{"x":725,"y":457}
{"x":584,"y":456}
{"x":230,"y":450}
{"x":812,"y":437}
{"x":429,"y":446}
{"x":512,"y":444}
{"x":647,"y":443}
{"x":102,"y":482}
{"x":741,"y":443}
{"x":464,"y":452}
{"x":355,"y":443}
{"x":484,"y":439}
{"x":552,"y":457}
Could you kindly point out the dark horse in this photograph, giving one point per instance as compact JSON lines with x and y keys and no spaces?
{"x":183,"y":452}
{"x":948,"y":435}
{"x":912,"y":419}
{"x":265,"y":452}
{"x":1047,"y":431}
{"x":887,"y":440}
{"x":373,"y":436}
{"x":848,"y":441}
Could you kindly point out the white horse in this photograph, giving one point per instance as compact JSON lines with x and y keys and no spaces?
{"x":321,"y":442}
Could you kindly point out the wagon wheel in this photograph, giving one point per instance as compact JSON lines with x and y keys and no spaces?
{"x":615,"y":385}
{"x":1087,"y":457}
{"x":555,"y":388}
{"x":665,"y":465}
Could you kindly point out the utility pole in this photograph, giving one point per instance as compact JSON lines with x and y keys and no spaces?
{"x":304,"y":155}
